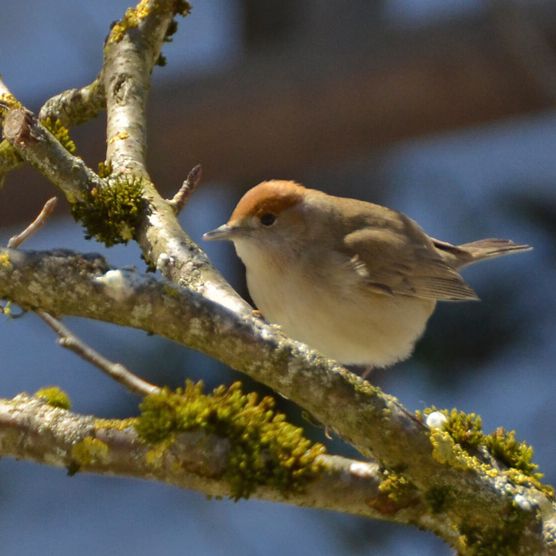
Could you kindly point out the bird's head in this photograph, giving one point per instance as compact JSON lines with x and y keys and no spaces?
{"x":271,"y":215}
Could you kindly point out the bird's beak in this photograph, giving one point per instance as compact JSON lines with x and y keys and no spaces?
{"x":222,"y":232}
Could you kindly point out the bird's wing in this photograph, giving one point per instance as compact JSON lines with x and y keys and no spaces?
{"x":403,"y":262}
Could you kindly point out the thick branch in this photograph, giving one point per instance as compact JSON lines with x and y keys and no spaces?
{"x":33,"y":430}
{"x":160,"y":235}
{"x":127,"y":66}
{"x":128,"y":60}
{"x":374,"y":422}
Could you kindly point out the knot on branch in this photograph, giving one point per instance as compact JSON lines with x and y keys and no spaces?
{"x":111,"y":213}
{"x":264,"y":448}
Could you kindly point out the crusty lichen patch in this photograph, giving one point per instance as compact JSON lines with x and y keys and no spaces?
{"x":398,"y":488}
{"x":88,"y":452}
{"x":264,"y":448}
{"x":111,"y":213}
{"x":461,"y":443}
{"x":5,"y":261}
{"x":8,"y":102}
{"x":133,"y":17}
{"x":54,"y":396}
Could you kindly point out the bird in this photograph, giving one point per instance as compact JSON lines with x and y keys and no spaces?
{"x":354,"y":280}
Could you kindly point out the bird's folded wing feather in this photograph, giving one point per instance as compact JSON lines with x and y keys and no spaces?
{"x":403,"y":262}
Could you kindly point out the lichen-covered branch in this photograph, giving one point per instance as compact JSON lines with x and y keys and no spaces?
{"x":131,"y":50}
{"x":69,"y":108}
{"x":35,"y":144}
{"x":125,"y":205}
{"x":483,"y":497}
{"x":76,"y":106}
{"x":470,"y":492}
{"x":128,"y":59}
{"x":32,"y":429}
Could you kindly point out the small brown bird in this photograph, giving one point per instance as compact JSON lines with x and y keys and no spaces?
{"x":355,"y":280}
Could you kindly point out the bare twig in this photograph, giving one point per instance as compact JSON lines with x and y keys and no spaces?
{"x":34,"y":227}
{"x":115,"y":371}
{"x":180,"y":199}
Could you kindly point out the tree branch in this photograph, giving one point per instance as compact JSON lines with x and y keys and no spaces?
{"x":180,"y":199}
{"x":116,"y":371}
{"x":208,"y":315}
{"x":362,"y":414}
{"x":34,"y":227}
{"x":76,"y":106}
{"x":35,"y":144}
{"x":33,"y":430}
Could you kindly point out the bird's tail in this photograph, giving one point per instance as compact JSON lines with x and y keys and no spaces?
{"x":469,"y":253}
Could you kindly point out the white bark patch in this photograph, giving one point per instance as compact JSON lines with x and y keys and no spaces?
{"x":362,"y":469}
{"x":164,"y":260}
{"x":523,"y":503}
{"x":119,"y":283}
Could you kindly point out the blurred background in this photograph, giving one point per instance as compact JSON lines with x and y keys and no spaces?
{"x":442,"y":109}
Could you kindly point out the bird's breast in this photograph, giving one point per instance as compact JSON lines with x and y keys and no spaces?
{"x":326,"y":306}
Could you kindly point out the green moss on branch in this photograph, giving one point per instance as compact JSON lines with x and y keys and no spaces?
{"x":54,"y":396}
{"x":111,"y":213}
{"x":264,"y":448}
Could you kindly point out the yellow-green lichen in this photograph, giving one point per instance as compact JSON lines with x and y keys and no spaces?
{"x":8,"y":102}
{"x":461,"y":440}
{"x":54,"y":396}
{"x":5,"y":261}
{"x":115,"y":424}
{"x":88,"y":452}
{"x":264,"y":448}
{"x":111,"y":213}
{"x":8,"y":155}
{"x":504,"y":446}
{"x":398,"y":488}
{"x":133,"y":17}
{"x":120,"y":136}
{"x":60,"y":132}
{"x":6,"y":310}
{"x":104,"y":168}
{"x":447,"y":451}
{"x":359,"y":384}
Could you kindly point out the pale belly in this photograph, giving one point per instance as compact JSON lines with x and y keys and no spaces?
{"x":374,"y":330}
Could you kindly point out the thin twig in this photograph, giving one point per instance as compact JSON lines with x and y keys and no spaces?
{"x":180,"y":199}
{"x":34,"y":227}
{"x":115,"y":371}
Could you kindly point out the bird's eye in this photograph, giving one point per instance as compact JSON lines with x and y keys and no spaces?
{"x":267,"y":219}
